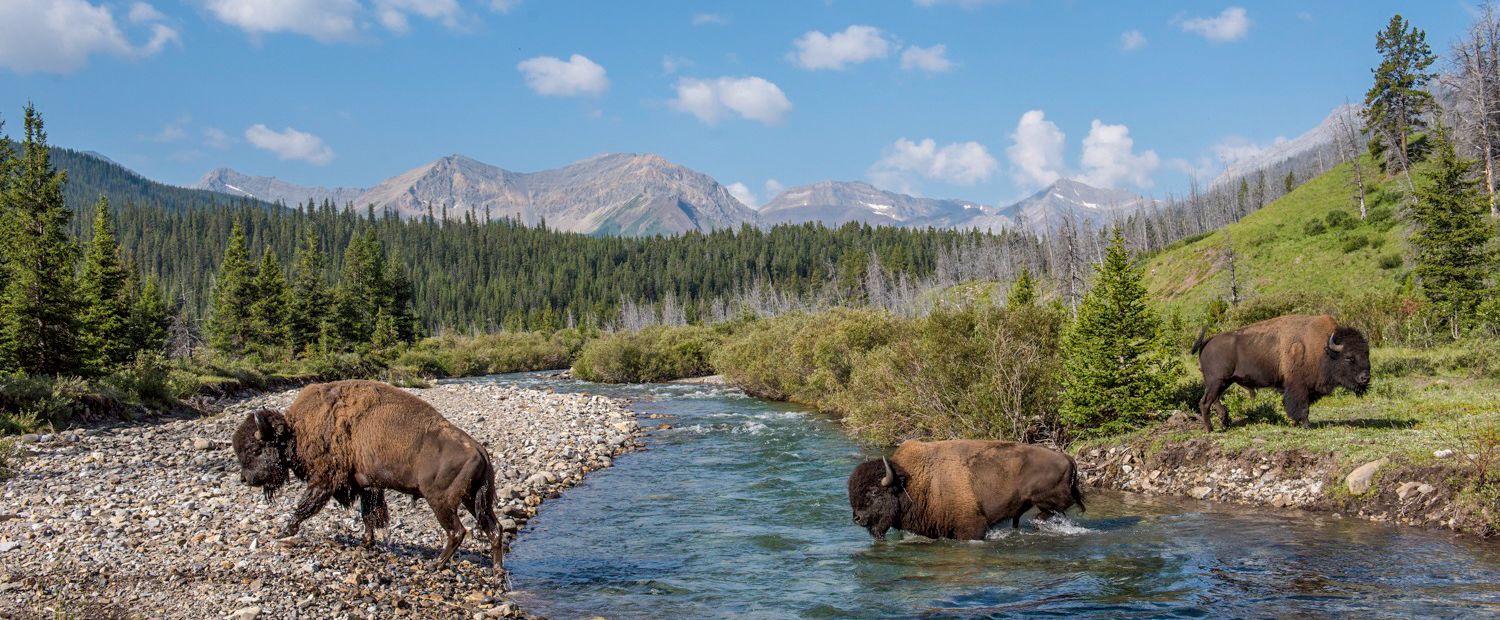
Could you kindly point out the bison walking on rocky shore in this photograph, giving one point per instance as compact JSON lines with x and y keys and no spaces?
{"x":1305,"y":357}
{"x":958,"y":489}
{"x":353,"y":439}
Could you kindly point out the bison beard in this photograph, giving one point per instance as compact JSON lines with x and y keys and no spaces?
{"x":1304,"y":357}
{"x":352,"y":440}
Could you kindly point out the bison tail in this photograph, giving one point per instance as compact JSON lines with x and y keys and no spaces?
{"x":1073,"y":487}
{"x":484,"y":513}
{"x":1198,"y":344}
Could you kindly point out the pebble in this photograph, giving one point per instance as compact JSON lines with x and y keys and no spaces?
{"x":1442,"y":454}
{"x":154,"y":520}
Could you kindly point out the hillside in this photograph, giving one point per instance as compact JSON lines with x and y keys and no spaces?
{"x":1309,"y":243}
{"x":91,"y":175}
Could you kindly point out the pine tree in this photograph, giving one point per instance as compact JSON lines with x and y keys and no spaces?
{"x":1290,"y":182}
{"x":362,"y":290}
{"x":229,"y":328}
{"x":38,"y":320}
{"x":1118,"y":371}
{"x":268,"y":313}
{"x":105,"y":292}
{"x":150,"y":318}
{"x":309,"y":299}
{"x":1023,"y":291}
{"x":398,"y":301}
{"x":1451,"y":236}
{"x":1396,"y":104}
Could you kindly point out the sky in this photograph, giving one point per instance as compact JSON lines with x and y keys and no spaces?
{"x":975,"y":99}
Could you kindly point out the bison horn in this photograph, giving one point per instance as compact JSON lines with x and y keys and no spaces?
{"x":890,"y":476}
{"x":1332,"y":346}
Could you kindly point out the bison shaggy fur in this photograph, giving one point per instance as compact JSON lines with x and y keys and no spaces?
{"x":959,"y":489}
{"x":353,"y":440}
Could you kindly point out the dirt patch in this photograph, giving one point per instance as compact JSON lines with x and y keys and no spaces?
{"x":1429,"y":494}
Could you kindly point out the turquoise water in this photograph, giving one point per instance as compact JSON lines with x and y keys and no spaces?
{"x":740,"y":511}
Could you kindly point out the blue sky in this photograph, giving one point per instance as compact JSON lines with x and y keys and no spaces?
{"x":349,"y":92}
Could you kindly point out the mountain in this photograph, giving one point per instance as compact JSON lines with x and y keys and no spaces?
{"x":91,"y":175}
{"x":1320,"y":140}
{"x":1066,"y":198}
{"x":227,"y":181}
{"x":619,"y":194}
{"x":834,"y":203}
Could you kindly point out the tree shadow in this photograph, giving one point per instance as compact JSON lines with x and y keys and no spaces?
{"x":1380,"y":423}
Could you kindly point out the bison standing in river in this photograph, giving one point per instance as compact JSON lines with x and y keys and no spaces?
{"x":353,"y":439}
{"x":1305,"y":357}
{"x":958,"y":489}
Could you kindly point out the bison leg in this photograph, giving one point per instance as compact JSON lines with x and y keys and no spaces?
{"x":373,"y":512}
{"x":447,"y":516}
{"x":313,"y":500}
{"x":1213,"y":390}
{"x":1296,"y":406}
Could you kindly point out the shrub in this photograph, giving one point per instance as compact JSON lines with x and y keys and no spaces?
{"x":1338,"y":218}
{"x":652,"y":354}
{"x":1314,"y":228}
{"x":805,"y":358}
{"x":450,"y":355}
{"x":1391,"y":261}
{"x":1355,"y":243}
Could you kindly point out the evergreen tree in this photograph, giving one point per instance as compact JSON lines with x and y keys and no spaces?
{"x":104,"y":288}
{"x":1023,"y":291}
{"x":398,"y":301}
{"x":362,"y":290}
{"x":309,"y":299}
{"x":38,"y":321}
{"x":1118,"y":371}
{"x":1396,"y":103}
{"x":268,"y":313}
{"x":229,"y":328}
{"x":1290,"y":182}
{"x":150,"y":317}
{"x":1450,"y":239}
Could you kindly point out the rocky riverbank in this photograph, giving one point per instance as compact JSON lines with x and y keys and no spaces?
{"x":151,"y":520}
{"x":1392,"y":489}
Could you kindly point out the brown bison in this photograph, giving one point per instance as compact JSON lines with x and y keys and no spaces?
{"x":958,"y":489}
{"x":353,"y":439}
{"x":1305,"y":357}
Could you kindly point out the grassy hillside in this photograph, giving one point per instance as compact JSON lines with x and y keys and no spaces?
{"x":1309,"y":244}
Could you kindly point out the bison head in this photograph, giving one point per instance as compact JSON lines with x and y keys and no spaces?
{"x":875,"y":491}
{"x":262,"y":444}
{"x":1348,"y":364}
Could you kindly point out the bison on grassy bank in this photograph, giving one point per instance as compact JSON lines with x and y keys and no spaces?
{"x":353,"y":439}
{"x":1305,"y":357}
{"x":958,"y":489}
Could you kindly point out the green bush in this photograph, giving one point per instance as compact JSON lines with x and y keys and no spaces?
{"x":1355,"y":243}
{"x":1314,"y":228}
{"x":1391,"y":261}
{"x":450,"y":355}
{"x":32,"y":402}
{"x":657,"y":353}
{"x":804,"y":358}
{"x":1339,"y":218}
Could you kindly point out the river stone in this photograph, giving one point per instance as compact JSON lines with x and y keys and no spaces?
{"x":1425,"y":488}
{"x":200,"y":444}
{"x":1200,"y":492}
{"x":1406,"y":489}
{"x":245,"y":613}
{"x":1442,"y":454}
{"x":1359,"y":480}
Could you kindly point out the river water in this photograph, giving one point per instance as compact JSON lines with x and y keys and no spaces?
{"x":740,"y":511}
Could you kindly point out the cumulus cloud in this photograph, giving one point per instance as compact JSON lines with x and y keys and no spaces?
{"x":1036,"y":150}
{"x":1109,"y":158}
{"x":1230,"y":25}
{"x":58,"y":36}
{"x":960,"y":163}
{"x":290,"y":144}
{"x":393,"y":13}
{"x":504,"y":6}
{"x":323,"y":20}
{"x":930,"y":59}
{"x":753,"y":98}
{"x":554,"y":77}
{"x":1132,"y":40}
{"x":710,"y":19}
{"x":216,"y":138}
{"x":743,"y":194}
{"x":1235,"y":148}
{"x":774,"y":188}
{"x":856,"y":44}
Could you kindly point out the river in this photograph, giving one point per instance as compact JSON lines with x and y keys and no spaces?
{"x":740,"y":510}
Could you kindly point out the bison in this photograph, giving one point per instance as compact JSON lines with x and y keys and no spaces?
{"x":354,"y":439}
{"x":1305,"y":357}
{"x":958,"y":489}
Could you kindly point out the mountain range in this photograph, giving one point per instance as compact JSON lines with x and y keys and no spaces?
{"x":642,"y":194}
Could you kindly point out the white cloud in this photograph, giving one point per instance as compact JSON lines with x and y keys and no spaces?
{"x":1132,"y":40}
{"x":1109,"y":158}
{"x":290,"y":144}
{"x":1230,"y":25}
{"x":710,"y":19}
{"x":753,"y":98}
{"x":774,"y":187}
{"x":743,"y":194}
{"x":856,"y":44}
{"x":393,"y":13}
{"x":930,"y":59}
{"x":573,"y":77}
{"x":1036,"y":150}
{"x":504,"y":6}
{"x":173,"y":131}
{"x":672,"y":64}
{"x":324,"y":20}
{"x":960,"y":163}
{"x":58,"y":36}
{"x":216,"y":138}
{"x":1235,"y":148}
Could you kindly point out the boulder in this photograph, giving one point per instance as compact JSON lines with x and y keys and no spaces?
{"x":1359,"y":480}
